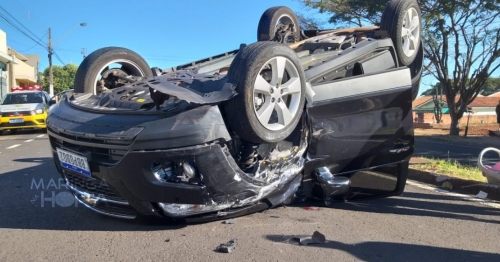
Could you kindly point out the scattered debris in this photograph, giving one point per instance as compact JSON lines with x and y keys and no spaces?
{"x":316,"y":238}
{"x":482,"y":194}
{"x":311,"y":208}
{"x":275,"y":216}
{"x":226,"y":247}
{"x":167,"y":240}
{"x":230,"y":221}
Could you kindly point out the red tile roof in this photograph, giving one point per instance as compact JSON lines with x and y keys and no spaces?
{"x":421,"y":100}
{"x":480,"y":101}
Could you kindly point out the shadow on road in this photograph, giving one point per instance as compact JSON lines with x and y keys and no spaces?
{"x":386,"y":251}
{"x":429,"y":205}
{"x":28,"y":202}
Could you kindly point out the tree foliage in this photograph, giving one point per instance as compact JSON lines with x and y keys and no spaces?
{"x":349,"y":12}
{"x":63,"y":77}
{"x":491,"y":86}
{"x":461,"y":41}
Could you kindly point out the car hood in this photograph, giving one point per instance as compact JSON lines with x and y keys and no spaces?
{"x":18,"y":107}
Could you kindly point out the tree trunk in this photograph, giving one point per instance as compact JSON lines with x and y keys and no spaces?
{"x":454,"y":128}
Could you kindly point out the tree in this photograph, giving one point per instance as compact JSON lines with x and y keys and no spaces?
{"x":491,"y":86}
{"x":429,"y":92}
{"x":461,"y":42}
{"x":63,"y":77}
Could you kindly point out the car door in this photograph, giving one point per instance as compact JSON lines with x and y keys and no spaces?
{"x":362,"y":129}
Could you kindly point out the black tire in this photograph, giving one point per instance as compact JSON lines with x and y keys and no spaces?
{"x":267,"y":23}
{"x":92,"y":66}
{"x":392,"y":22}
{"x":416,"y":71}
{"x":246,"y":66}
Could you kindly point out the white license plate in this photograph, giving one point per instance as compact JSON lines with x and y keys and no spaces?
{"x":16,"y":120}
{"x":74,"y":162}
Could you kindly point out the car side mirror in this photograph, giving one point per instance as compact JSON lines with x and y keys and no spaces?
{"x":52,"y":102}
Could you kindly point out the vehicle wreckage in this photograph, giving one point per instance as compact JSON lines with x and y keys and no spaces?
{"x":299,"y":114}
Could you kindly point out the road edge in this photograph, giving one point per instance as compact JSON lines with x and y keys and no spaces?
{"x":457,"y":185}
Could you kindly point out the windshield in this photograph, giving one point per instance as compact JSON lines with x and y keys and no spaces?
{"x":22,"y":98}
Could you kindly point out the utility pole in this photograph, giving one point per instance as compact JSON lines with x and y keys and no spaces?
{"x":51,"y":77}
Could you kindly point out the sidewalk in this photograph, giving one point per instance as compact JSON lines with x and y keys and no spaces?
{"x":453,"y":184}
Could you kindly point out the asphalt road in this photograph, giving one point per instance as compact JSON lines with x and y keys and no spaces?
{"x":40,"y":222}
{"x":465,"y":153}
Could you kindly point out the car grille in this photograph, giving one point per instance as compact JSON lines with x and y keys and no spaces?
{"x":99,"y":156}
{"x":26,"y":123}
{"x":97,"y":187}
{"x":20,"y":113}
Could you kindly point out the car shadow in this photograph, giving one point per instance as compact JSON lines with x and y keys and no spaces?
{"x":386,"y":251}
{"x":30,"y":201}
{"x":427,"y":205}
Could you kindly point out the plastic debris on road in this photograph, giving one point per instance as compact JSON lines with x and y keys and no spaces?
{"x":230,"y":221}
{"x":226,"y":247}
{"x":316,"y":238}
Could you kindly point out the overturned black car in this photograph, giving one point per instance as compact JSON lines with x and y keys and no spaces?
{"x":321,"y":114}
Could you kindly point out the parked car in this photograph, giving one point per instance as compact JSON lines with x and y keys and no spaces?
{"x":318,"y":114}
{"x":24,"y":110}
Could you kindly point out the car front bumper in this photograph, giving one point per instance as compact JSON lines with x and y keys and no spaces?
{"x":31,"y":121}
{"x":125,"y":180}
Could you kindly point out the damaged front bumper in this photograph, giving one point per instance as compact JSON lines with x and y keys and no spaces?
{"x":177,"y":166}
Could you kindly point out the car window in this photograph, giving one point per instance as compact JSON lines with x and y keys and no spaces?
{"x":22,"y":98}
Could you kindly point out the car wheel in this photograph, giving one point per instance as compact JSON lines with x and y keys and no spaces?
{"x":279,"y":19}
{"x":108,"y":68}
{"x":416,"y":71}
{"x":270,"y":83}
{"x":402,"y":20}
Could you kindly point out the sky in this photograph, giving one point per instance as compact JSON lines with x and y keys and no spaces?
{"x":166,"y":33}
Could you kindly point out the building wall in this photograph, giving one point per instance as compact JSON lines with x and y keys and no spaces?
{"x":446,"y":119}
{"x":4,"y":58}
{"x":23,"y":74}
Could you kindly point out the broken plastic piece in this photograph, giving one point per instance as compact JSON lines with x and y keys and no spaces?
{"x":230,"y":221}
{"x":482,"y":194}
{"x":316,"y":238}
{"x":226,"y":247}
{"x":311,"y":208}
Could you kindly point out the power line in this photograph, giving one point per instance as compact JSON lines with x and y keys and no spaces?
{"x":58,"y":58}
{"x":33,"y":34}
{"x":22,"y":51}
{"x":20,"y":30}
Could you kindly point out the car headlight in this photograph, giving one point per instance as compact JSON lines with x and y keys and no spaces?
{"x":38,"y":110}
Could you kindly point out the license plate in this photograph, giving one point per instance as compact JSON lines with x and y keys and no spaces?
{"x":73,"y":162}
{"x":16,"y":120}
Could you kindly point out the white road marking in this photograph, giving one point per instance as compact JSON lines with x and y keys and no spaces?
{"x":40,"y":135}
{"x":29,"y":140}
{"x":13,"y":146}
{"x":462,"y":196}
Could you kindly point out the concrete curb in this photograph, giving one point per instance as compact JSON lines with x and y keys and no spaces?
{"x":456,"y":185}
